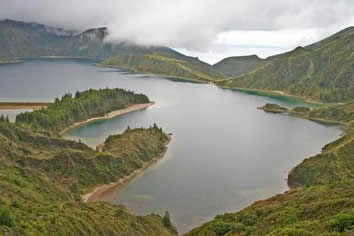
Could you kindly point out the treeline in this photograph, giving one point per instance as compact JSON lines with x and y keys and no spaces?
{"x":4,"y":118}
{"x":83,"y":105}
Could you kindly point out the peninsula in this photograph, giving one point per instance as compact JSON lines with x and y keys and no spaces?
{"x":44,"y":173}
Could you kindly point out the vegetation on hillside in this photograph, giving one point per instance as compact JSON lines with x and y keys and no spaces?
{"x":31,"y":40}
{"x":7,"y":61}
{"x":321,"y":199}
{"x":84,"y":105}
{"x":236,"y":66}
{"x":341,"y":113}
{"x":166,"y":66}
{"x":322,"y":72}
{"x":41,"y":179}
{"x":315,"y":210}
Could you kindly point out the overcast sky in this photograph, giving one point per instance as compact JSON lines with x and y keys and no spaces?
{"x":209,"y":29}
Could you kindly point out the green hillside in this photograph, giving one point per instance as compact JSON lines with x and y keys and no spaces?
{"x":321,"y":199}
{"x":32,"y":40}
{"x":236,"y":66}
{"x":41,"y":179}
{"x":189,"y":68}
{"x":315,"y":210}
{"x":43,"y":176}
{"x":323,"y":71}
{"x":21,"y":40}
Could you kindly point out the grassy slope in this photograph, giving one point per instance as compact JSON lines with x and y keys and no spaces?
{"x":321,"y":201}
{"x":41,"y":180}
{"x":167,"y":66}
{"x":236,"y":66}
{"x":322,"y":71}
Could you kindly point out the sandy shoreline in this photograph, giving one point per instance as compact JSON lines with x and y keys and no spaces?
{"x":110,"y":115}
{"x":99,"y":191}
{"x":23,"y":105}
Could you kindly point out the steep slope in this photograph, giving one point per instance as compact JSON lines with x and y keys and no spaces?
{"x":323,"y":71}
{"x":189,"y":68}
{"x":236,"y":66}
{"x":41,"y":179}
{"x":20,"y":40}
{"x":32,"y":40}
{"x":321,"y":201}
{"x":343,"y":33}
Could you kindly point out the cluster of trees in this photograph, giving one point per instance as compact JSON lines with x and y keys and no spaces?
{"x":84,"y":105}
{"x":5,"y":217}
{"x":4,"y":118}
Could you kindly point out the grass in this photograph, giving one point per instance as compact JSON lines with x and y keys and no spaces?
{"x":165,"y":66}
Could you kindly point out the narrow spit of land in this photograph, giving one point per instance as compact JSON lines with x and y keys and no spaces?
{"x":98,"y":193}
{"x":110,"y":115}
{"x":23,"y":105}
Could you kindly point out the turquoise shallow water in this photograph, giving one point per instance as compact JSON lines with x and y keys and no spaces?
{"x":224,"y":153}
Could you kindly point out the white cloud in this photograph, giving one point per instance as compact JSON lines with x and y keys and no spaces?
{"x":264,"y":43}
{"x":200,"y":26}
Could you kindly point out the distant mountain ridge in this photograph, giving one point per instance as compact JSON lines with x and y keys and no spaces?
{"x":31,"y":40}
{"x":235,"y":66}
{"x":19,"y":40}
{"x":185,"y":68}
{"x":323,"y":71}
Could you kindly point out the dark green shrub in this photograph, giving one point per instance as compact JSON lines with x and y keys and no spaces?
{"x":249,"y":219}
{"x":166,"y":220}
{"x":342,"y":222}
{"x":5,"y":217}
{"x":221,"y":228}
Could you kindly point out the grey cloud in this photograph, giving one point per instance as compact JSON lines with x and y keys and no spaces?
{"x":191,"y":24}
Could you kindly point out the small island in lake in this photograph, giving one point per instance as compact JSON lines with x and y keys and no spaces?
{"x":275,"y":108}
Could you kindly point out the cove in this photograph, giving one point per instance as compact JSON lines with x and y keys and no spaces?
{"x":224,"y":153}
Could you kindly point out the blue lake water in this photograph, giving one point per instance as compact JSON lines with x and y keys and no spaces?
{"x":224,"y":153}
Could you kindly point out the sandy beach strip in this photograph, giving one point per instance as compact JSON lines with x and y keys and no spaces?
{"x":23,"y":105}
{"x":99,"y":192}
{"x":110,"y":115}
